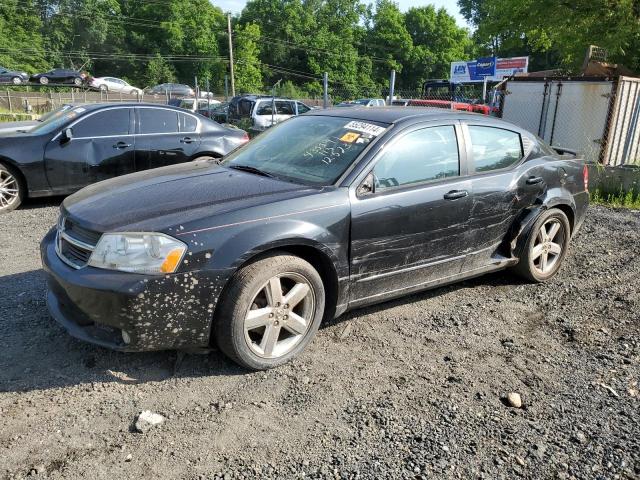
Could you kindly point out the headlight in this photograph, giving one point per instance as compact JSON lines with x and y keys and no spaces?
{"x":150,"y":253}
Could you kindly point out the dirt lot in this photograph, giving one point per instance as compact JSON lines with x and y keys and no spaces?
{"x":409,"y":389}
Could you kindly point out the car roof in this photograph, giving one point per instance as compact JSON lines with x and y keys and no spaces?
{"x":99,"y":106}
{"x":397,"y":114}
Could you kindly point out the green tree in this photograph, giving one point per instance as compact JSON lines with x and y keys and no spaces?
{"x":388,"y":40}
{"x":437,"y":41}
{"x":248,"y":72}
{"x":21,"y":44}
{"x":559,"y":29}
{"x":158,"y":71}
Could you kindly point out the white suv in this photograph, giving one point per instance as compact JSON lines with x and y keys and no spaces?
{"x":264,"y":115}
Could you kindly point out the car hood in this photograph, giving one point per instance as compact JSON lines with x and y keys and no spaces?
{"x":7,"y":127}
{"x":162,"y":198}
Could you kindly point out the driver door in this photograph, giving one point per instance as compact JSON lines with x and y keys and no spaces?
{"x":101,"y":147}
{"x":411,"y":229}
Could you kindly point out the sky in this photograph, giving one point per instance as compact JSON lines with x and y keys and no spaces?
{"x":235,"y":6}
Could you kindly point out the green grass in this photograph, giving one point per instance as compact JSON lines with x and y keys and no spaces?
{"x":619,"y":199}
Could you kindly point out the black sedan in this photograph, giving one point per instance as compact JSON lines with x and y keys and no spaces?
{"x":60,"y":75}
{"x":88,"y":143}
{"x":326,"y":212}
{"x":13,"y":76}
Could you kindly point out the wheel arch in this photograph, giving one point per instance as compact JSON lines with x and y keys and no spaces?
{"x":207,"y":153}
{"x":521,"y":226}
{"x":315,"y":254}
{"x":15,"y":169}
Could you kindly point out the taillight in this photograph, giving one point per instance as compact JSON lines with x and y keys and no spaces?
{"x":585,"y":174}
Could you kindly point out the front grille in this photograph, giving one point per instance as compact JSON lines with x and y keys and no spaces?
{"x":74,"y":244}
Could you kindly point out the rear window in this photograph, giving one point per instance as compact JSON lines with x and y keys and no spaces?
{"x":494,"y":148}
{"x":158,"y":120}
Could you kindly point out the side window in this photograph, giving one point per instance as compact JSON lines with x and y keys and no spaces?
{"x":101,"y":124}
{"x":423,"y":155}
{"x":494,"y":148}
{"x":245,"y":107}
{"x":158,"y":120}
{"x":264,"y":108}
{"x":302,"y":108}
{"x":285,"y":108}
{"x":188,"y":123}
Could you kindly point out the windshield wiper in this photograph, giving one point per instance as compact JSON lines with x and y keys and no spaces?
{"x":247,"y":168}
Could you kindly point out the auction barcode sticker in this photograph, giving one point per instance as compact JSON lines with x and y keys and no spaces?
{"x":365,"y":127}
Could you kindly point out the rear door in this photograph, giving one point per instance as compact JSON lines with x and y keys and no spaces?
{"x":164,"y":137}
{"x":411,"y":229}
{"x":285,"y":109}
{"x":102,"y":147}
{"x":500,"y":186}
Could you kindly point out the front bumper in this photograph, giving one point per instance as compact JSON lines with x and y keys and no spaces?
{"x":156,"y":312}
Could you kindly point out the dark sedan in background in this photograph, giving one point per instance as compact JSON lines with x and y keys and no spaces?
{"x":328,"y":211}
{"x":89,"y":143}
{"x":13,"y":76}
{"x":60,"y":75}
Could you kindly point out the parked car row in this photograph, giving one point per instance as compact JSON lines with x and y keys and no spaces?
{"x":326,"y":212}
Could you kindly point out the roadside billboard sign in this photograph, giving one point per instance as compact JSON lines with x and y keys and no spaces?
{"x":492,"y":68}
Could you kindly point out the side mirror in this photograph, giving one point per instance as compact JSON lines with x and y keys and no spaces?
{"x":367,"y":187}
{"x":67,"y":135}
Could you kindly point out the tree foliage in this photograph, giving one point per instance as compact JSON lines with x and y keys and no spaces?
{"x":557,"y":32}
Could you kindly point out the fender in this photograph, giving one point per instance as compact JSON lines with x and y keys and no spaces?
{"x":255,"y":239}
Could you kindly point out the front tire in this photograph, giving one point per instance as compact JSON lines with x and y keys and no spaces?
{"x":546,"y":247}
{"x":77,"y":82}
{"x":16,"y":80}
{"x":12,"y":189}
{"x":270,"y":312}
{"x":44,"y":80}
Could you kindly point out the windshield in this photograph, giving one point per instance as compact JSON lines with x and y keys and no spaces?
{"x":362,"y":101}
{"x":57,"y":120}
{"x":54,"y":113}
{"x":313,"y":150}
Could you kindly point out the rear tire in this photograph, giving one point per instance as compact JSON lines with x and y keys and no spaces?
{"x":16,"y":80}
{"x":77,"y":82}
{"x":270,"y":312}
{"x":12,"y":189}
{"x":104,"y":88}
{"x":545,"y":247}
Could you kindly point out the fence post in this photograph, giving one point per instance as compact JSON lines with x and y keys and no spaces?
{"x":392,"y":86}
{"x":325,"y":87}
{"x":9,"y":100}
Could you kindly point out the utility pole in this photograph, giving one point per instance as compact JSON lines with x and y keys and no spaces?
{"x":392,"y":86}
{"x":325,"y":90}
{"x":233,"y":83}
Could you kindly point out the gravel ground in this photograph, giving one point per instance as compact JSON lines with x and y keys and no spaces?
{"x":413,"y":388}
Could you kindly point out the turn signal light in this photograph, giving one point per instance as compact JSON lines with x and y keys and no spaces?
{"x":171,"y":262}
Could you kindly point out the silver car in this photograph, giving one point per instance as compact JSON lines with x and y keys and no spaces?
{"x":112,"y":84}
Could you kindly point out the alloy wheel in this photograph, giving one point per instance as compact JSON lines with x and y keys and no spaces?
{"x":17,"y":80}
{"x":44,"y":80}
{"x":547,"y":247}
{"x":9,"y":193}
{"x":280,"y":315}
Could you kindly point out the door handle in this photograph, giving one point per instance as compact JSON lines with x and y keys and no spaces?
{"x":186,"y":140}
{"x":534,"y":180}
{"x":120,"y":145}
{"x":454,"y":194}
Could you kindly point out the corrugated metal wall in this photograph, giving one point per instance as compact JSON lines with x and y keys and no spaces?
{"x":623,"y":145}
